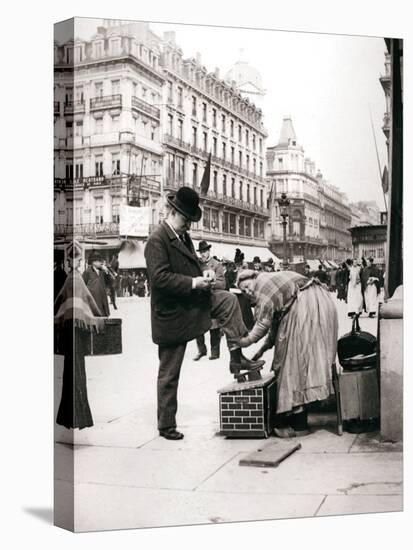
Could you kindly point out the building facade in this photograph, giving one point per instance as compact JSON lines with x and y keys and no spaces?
{"x":135,"y":120}
{"x":319,"y":216}
{"x":369,"y":241}
{"x":107,"y":149}
{"x":207,"y":117}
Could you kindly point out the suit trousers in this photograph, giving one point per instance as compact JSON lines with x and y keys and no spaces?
{"x":225,"y":308}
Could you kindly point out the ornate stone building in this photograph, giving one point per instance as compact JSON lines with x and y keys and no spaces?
{"x":204,"y":115}
{"x":319,"y":215}
{"x":107,"y":128}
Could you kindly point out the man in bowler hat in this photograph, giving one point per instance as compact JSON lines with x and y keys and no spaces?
{"x":215,"y":270}
{"x":97,"y":279}
{"x":182,"y":303}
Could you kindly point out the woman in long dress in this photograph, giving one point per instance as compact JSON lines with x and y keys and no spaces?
{"x":354,"y":293}
{"x":76,"y":314}
{"x":299,"y":318}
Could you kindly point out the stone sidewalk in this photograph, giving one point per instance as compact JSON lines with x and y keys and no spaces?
{"x":126,"y":476}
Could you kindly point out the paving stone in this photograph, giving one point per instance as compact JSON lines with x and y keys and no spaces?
{"x":360,"y":504}
{"x":100,"y":507}
{"x":374,"y":443}
{"x":146,"y":468}
{"x":307,"y":473}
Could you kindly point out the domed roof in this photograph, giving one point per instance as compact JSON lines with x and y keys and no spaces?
{"x":245,"y":76}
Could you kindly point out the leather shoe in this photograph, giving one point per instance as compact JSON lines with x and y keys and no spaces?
{"x":246,"y":364}
{"x":214,"y":355}
{"x":201,"y":353}
{"x":171,"y":433}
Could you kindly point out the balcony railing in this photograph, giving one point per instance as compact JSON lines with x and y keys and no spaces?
{"x":148,"y":183}
{"x":225,"y":200}
{"x":106,"y":102}
{"x":88,"y":229}
{"x":71,"y":107}
{"x":147,"y":108}
{"x":178,"y":143}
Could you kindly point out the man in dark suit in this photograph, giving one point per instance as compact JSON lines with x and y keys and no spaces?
{"x":182,"y":303}
{"x":97,"y":279}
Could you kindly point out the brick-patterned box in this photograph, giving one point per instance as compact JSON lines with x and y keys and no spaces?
{"x":247,"y":409}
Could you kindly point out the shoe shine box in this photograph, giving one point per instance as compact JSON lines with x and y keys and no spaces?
{"x":247,"y":409}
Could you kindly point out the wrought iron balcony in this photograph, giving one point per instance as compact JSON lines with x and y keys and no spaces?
{"x":106,"y":102}
{"x":87,"y":230}
{"x":147,"y":108}
{"x":178,"y":143}
{"x":71,"y":107}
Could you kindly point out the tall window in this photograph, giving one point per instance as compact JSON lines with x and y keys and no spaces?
{"x":169,"y":92}
{"x":69,"y":169}
{"x":98,"y":89}
{"x":205,"y":140}
{"x":115,"y":211}
{"x":214,"y":146}
{"x":254,"y":144}
{"x":194,"y":136}
{"x":247,"y":138}
{"x":214,"y":118}
{"x":69,"y":129}
{"x":204,"y":112}
{"x":194,"y":174}
{"x":170,"y":125}
{"x":261,"y":197}
{"x":99,"y":165}
{"x":206,"y":219}
{"x":79,"y":94}
{"x":79,"y":169}
{"x":240,"y":159}
{"x":99,"y":125}
{"x":180,"y":96}
{"x":233,"y":188}
{"x":223,"y":121}
{"x":241,"y":196}
{"x":180,"y":169}
{"x":225,"y":222}
{"x":248,"y":193}
{"x":260,"y":145}
{"x":224,"y":185}
{"x":99,"y":211}
{"x":115,"y":87}
{"x":180,"y":129}
{"x":170,"y":167}
{"x":248,"y":162}
{"x":232,"y":155}
{"x":224,"y":151}
{"x":261,"y":169}
{"x":254,"y":166}
{"x":115,"y":164}
{"x":255,"y":195}
{"x":79,"y":128}
{"x":193,"y":105}
{"x":231,"y":125}
{"x":242,"y":225}
{"x":115,"y":123}
{"x":232,"y":224}
{"x":248,"y":227}
{"x":239,"y":133}
{"x":215,"y":180}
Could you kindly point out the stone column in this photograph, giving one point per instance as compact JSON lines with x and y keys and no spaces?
{"x":391,"y":367}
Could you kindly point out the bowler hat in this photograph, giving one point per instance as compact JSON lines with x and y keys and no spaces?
{"x":95,"y":257}
{"x":186,"y":201}
{"x":257,"y":260}
{"x":203,"y":246}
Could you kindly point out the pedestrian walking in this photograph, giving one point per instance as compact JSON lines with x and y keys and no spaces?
{"x":298,"y":317}
{"x":373,"y":285}
{"x":354,"y":294}
{"x":342,"y":278}
{"x":97,"y":280}
{"x":111,"y":281}
{"x":182,"y":303}
{"x":215,"y":270}
{"x":321,"y":275}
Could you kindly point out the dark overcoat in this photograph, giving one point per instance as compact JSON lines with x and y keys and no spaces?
{"x":179,"y":313}
{"x":97,"y":286}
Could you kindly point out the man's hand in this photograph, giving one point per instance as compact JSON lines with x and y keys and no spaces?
{"x":202,"y":283}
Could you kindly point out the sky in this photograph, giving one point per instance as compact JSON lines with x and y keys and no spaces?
{"x":328,"y":84}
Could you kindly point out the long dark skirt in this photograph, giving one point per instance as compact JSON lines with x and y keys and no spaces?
{"x":74,"y":410}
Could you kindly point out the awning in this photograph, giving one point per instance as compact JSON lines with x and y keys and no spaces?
{"x":227,"y":251}
{"x":131,"y":255}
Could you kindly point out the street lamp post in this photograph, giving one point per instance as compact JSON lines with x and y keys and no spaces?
{"x":284,"y":204}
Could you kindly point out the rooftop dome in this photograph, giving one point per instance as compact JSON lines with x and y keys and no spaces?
{"x":246,"y":77}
